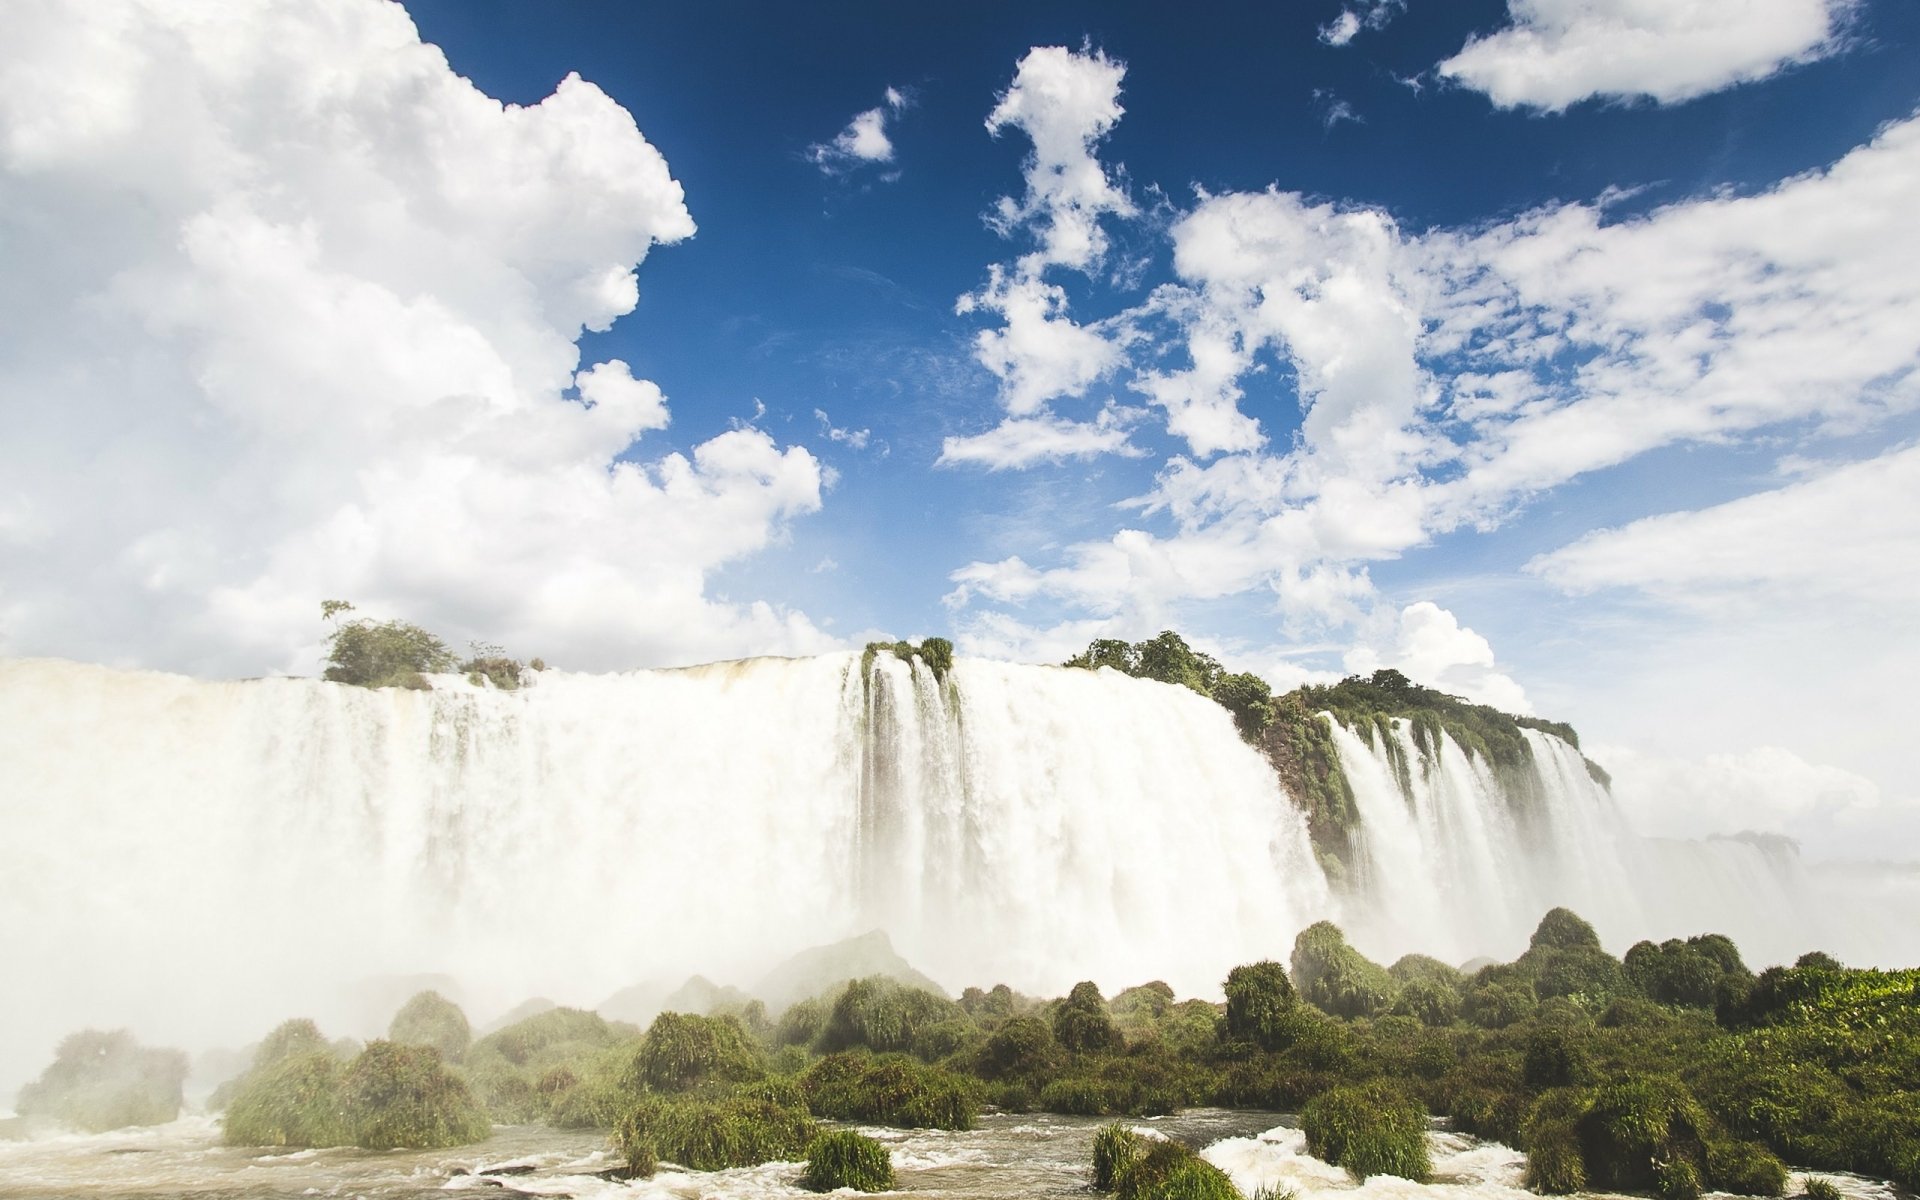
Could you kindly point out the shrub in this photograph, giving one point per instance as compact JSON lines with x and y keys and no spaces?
{"x":382,"y":654}
{"x":1498,"y":1005}
{"x":430,"y":1019}
{"x":288,"y":1038}
{"x":1564,"y":929}
{"x":1745,"y":1169}
{"x":1115,"y":1150}
{"x":884,"y":1016}
{"x":1816,"y":1188}
{"x":100,"y":1081}
{"x":292,"y":1099}
{"x":1081,"y":1023}
{"x":1431,"y":1002}
{"x":1411,"y":967}
{"x":890,"y":1090}
{"x":1259,"y":998}
{"x":1370,"y":1129}
{"x":1166,"y":1170}
{"x":1554,"y":1058}
{"x":398,"y":1095}
{"x":521,"y":1071}
{"x":1145,"y":1004}
{"x":1337,"y":978}
{"x":682,"y":1051}
{"x":1021,"y":1046}
{"x":1080,"y":1096}
{"x":847,"y":1159}
{"x":755,"y":1123}
{"x":1583,"y":973}
{"x":1634,"y":1132}
{"x":1554,"y":1161}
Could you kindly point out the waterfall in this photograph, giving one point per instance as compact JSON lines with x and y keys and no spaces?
{"x":202,"y":859}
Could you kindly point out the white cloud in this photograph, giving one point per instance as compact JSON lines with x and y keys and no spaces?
{"x":1843,"y":537}
{"x":1024,"y":441}
{"x":1333,"y":110}
{"x":1365,"y":14}
{"x":291,"y":313}
{"x":1040,"y":353}
{"x":852,"y":439}
{"x":1557,"y":53}
{"x":864,"y":140}
{"x":1428,"y":645}
{"x":1831,"y":812}
{"x":1066,"y":103}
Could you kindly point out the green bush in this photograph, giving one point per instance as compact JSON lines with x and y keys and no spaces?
{"x":1081,"y":1022}
{"x":1115,"y":1150}
{"x":1555,"y":1163}
{"x":890,"y":1089}
{"x":844,"y":1158}
{"x":1816,"y":1188}
{"x":1370,"y":1129}
{"x":293,"y":1098}
{"x":397,"y":1095}
{"x":381,"y":654}
{"x":1745,"y":1169}
{"x":1429,"y":1001}
{"x":521,"y":1072}
{"x":1167,"y":1170}
{"x":1259,"y":999}
{"x":106,"y":1080}
{"x":1335,"y":977}
{"x":1080,"y":1096}
{"x":1635,"y":1132}
{"x":884,"y":1016}
{"x":1021,"y":1046}
{"x":1563,"y":929}
{"x":1498,"y":1005}
{"x":1556,"y":1057}
{"x":755,"y":1123}
{"x":430,"y":1019}
{"x":682,"y":1051}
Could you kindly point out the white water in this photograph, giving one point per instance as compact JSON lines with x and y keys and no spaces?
{"x":200,"y":860}
{"x":1463,"y":862}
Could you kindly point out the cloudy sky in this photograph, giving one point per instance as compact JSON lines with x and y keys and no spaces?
{"x":1561,"y":353}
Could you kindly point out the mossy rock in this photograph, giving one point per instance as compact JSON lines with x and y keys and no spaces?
{"x":107,"y":1080}
{"x":1370,"y":1129}
{"x":293,"y":1100}
{"x":755,"y":1123}
{"x":844,"y":1158}
{"x":430,"y":1019}
{"x":398,"y":1095}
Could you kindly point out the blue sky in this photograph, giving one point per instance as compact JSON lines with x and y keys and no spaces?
{"x":1561,"y":355}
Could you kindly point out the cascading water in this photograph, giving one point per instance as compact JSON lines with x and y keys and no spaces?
{"x":201,"y":860}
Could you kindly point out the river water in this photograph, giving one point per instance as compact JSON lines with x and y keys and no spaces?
{"x":1007,"y":1156}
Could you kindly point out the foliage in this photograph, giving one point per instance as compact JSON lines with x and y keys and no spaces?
{"x":1259,"y":999}
{"x":398,"y":1095}
{"x":1370,"y":1129}
{"x":106,"y":1080}
{"x":1335,"y":977}
{"x":1563,"y":929}
{"x":1249,"y":699}
{"x":890,"y":1089}
{"x":752,"y":1123}
{"x":383,"y":653}
{"x":936,"y":652}
{"x":1137,"y":1168}
{"x":1081,"y":1022}
{"x":489,"y":663}
{"x":1816,"y":1188}
{"x":1115,"y":1150}
{"x":844,"y":1158}
{"x":1021,"y":1046}
{"x":883,"y":1015}
{"x":430,"y":1019}
{"x":682,"y":1051}
{"x":290,"y":1099}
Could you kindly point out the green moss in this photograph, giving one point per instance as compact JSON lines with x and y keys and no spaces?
{"x":890,"y":1090}
{"x":846,"y":1159}
{"x":1336,"y":978}
{"x":754,"y":1123}
{"x":1370,"y":1129}
{"x":430,"y":1019}
{"x":397,"y":1095}
{"x":106,"y":1080}
{"x":293,"y":1098}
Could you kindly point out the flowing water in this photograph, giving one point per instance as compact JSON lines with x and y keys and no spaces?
{"x":1006,"y":1157}
{"x":200,"y":860}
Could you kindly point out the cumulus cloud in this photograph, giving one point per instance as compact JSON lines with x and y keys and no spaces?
{"x":1367,"y":14}
{"x":864,"y":141}
{"x":1066,"y":103}
{"x":1428,"y":645}
{"x":291,"y":312}
{"x":1557,"y":53}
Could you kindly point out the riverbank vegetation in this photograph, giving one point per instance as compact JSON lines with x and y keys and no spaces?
{"x":1670,"y":1071}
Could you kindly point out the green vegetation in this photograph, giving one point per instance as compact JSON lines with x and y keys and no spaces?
{"x":1337,"y":978}
{"x":846,"y":1159}
{"x":1372,"y":1129}
{"x":752,"y":1123}
{"x":106,"y":1080}
{"x":397,"y":1095}
{"x":682,"y":1052}
{"x":1297,"y":739}
{"x":290,"y":1100}
{"x":884,"y":1016}
{"x":936,"y":652}
{"x":1133,"y":1167}
{"x":1260,"y":1001}
{"x":378,"y":654}
{"x":430,"y":1019}
{"x":890,"y":1089}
